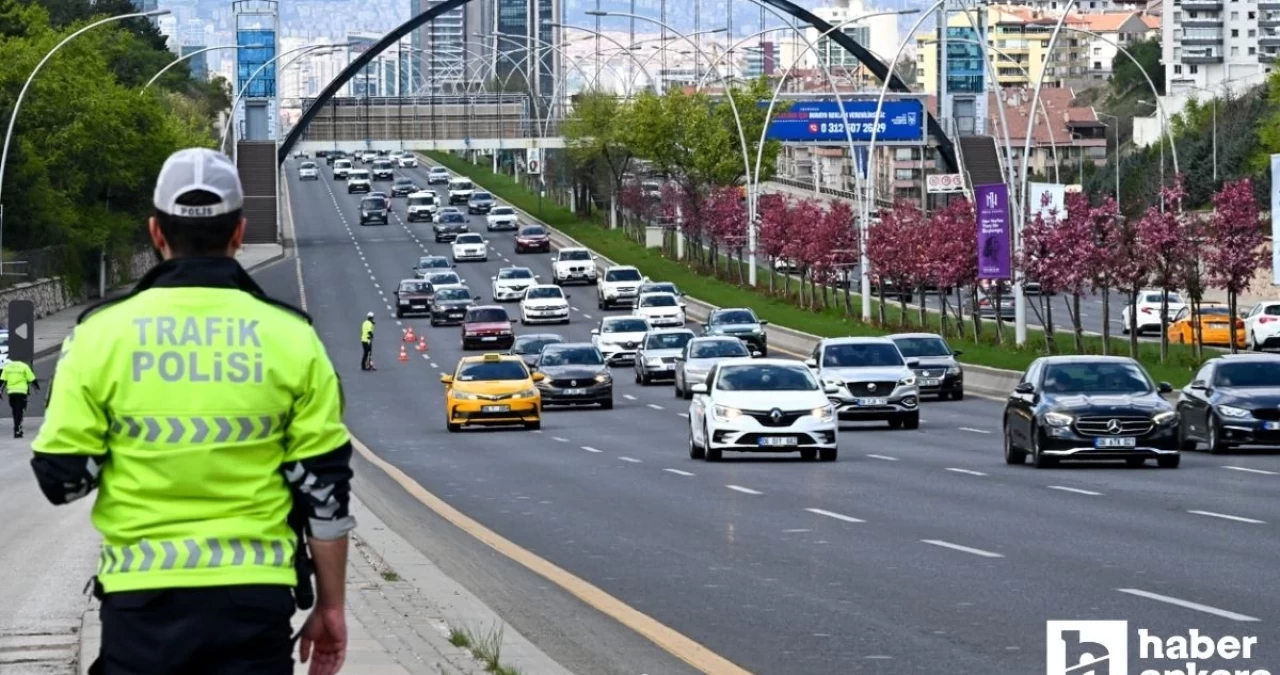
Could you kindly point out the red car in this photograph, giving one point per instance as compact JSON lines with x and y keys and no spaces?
{"x":487,"y":327}
{"x":533,"y":239}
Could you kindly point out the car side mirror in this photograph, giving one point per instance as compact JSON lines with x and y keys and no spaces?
{"x":957,"y":352}
{"x":683,"y":305}
{"x":1025,"y":388}
{"x":1165,"y":388}
{"x":567,"y":296}
{"x":494,"y":278}
{"x":477,"y":298}
{"x":1199,"y":385}
{"x":538,"y":377}
{"x":446,"y":379}
{"x":756,"y":355}
{"x":595,"y":331}
{"x":699,"y":389}
{"x":812,"y":363}
{"x":396,"y":293}
{"x":764,"y":322}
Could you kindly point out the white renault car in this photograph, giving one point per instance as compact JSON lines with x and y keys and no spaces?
{"x":545,"y":303}
{"x":502,"y":218}
{"x":1262,"y":326}
{"x":470,"y":246}
{"x":618,"y":337}
{"x":407,"y":160}
{"x":573,"y":265}
{"x":663,"y":310}
{"x":1148,"y":313}
{"x":761,"y":405}
{"x":421,"y":205}
{"x":511,"y":283}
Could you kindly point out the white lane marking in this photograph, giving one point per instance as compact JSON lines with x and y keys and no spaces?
{"x":966,"y":471}
{"x":837,"y":516}
{"x":588,"y":448}
{"x":796,"y":530}
{"x":586,"y":316}
{"x":558,"y":438}
{"x":962,"y":549}
{"x":575,"y":309}
{"x":976,"y":431}
{"x":678,"y":472}
{"x":684,"y":415}
{"x":655,"y":406}
{"x":746,"y":491}
{"x":1224,"y":516}
{"x":1188,"y":604}
{"x":633,"y":460}
{"x":1248,"y":470}
{"x":433,"y":365}
{"x":1078,"y":491}
{"x":629,"y":397}
{"x":884,"y":457}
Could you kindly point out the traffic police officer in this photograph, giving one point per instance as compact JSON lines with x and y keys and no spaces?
{"x":366,"y":343}
{"x":203,"y":411}
{"x":15,"y":380}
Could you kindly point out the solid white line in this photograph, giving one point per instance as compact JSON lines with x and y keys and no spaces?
{"x":629,"y":397}
{"x":837,"y":516}
{"x":588,"y":448}
{"x":884,"y":457}
{"x":1075,"y":490}
{"x":655,"y":406}
{"x":1248,"y":470}
{"x":1188,"y":604}
{"x":739,"y":488}
{"x":678,"y":472}
{"x":967,"y":471}
{"x":963,"y":549}
{"x":1225,"y":516}
{"x":633,"y":460}
{"x":976,"y":431}
{"x":684,"y":415}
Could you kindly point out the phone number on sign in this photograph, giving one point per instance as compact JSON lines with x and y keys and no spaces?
{"x":864,"y":128}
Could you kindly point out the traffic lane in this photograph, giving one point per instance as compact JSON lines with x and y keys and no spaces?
{"x":398,"y":411}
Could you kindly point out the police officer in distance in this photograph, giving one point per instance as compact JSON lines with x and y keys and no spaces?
{"x":366,"y":343}
{"x":203,"y":411}
{"x":16,"y":380}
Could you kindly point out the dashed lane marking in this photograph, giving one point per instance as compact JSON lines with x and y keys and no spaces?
{"x":588,"y":448}
{"x":678,"y":472}
{"x":968,"y":472}
{"x":962,"y":549}
{"x":1226,"y":516}
{"x":884,"y":457}
{"x":837,"y":516}
{"x":1246,"y":469}
{"x":1078,"y":491}
{"x":629,"y":397}
{"x":975,"y":431}
{"x":743,"y":490}
{"x":632,"y":460}
{"x":1187,"y":604}
{"x":655,"y":406}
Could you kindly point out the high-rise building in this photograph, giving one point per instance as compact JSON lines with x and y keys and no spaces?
{"x":531,"y":53}
{"x":198,"y":64}
{"x":1219,"y":49}
{"x":761,"y":60}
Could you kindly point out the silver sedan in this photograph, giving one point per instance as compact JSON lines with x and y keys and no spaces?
{"x":695,"y":361}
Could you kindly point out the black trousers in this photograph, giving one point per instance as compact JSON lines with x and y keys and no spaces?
{"x":366,"y":359}
{"x":18,"y":405}
{"x":229,"y":630}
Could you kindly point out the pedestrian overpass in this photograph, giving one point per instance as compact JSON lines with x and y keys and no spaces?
{"x":478,"y":121}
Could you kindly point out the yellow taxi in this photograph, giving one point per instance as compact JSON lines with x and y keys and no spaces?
{"x":492,"y":389}
{"x":1215,"y":326}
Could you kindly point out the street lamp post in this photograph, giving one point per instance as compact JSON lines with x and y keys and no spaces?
{"x":13,"y":116}
{"x":185,"y":57}
{"x":1115,"y":135}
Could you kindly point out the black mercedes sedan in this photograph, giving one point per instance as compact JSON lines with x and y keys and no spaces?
{"x":1090,"y":408}
{"x":449,"y":305}
{"x":1233,"y":400}
{"x":938,"y":373}
{"x":575,"y":373}
{"x":448,"y":226}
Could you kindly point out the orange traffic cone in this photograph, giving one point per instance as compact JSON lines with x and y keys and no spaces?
{"x":404,"y":356}
{"x":408,"y":335}
{"x":422,"y":344}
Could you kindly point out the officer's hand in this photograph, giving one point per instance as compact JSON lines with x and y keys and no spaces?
{"x":325,"y":633}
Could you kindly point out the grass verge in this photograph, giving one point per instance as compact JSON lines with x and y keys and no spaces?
{"x":486,"y":648}
{"x":833,"y":322}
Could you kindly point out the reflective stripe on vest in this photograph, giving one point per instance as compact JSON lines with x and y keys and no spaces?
{"x":187,"y":430}
{"x":149,"y":556}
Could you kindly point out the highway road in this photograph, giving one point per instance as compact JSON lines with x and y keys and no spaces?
{"x":918,"y":552}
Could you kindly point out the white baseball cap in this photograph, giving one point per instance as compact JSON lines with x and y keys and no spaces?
{"x":195,"y":169}
{"x":370,"y":315}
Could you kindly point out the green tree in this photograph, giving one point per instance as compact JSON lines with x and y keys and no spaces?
{"x":1125,"y":75}
{"x":592,"y":134}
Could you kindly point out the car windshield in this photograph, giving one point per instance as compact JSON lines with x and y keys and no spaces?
{"x":308,"y":165}
{"x":487,"y":315}
{"x":1154,"y":299}
{"x":733,"y":317}
{"x":481,"y":371}
{"x":444,"y":278}
{"x":382,"y":164}
{"x":577,"y":254}
{"x":359,"y":173}
{"x":544,"y":292}
{"x":922,"y":346}
{"x":662,"y":300}
{"x":374,"y":204}
{"x":453,"y":294}
{"x":461,"y":185}
{"x":452,"y":218}
{"x":622,"y":275}
{"x":403,"y":181}
{"x":570,"y":356}
{"x":501,"y":211}
{"x":515,"y":273}
{"x":716,"y":349}
{"x":1213,"y":310}
{"x":432,"y":262}
{"x":342,"y":164}
{"x":470,"y":239}
{"x":626,"y":326}
{"x":533,"y":344}
{"x":424,"y":200}
{"x":534,"y":231}
{"x":1095,"y":377}
{"x":1251,"y":373}
{"x":861,"y":355}
{"x":415,"y":287}
{"x":667,"y":340}
{"x":479,"y":196}
{"x":659,"y":288}
{"x":765,"y":378}
{"x":439,"y":170}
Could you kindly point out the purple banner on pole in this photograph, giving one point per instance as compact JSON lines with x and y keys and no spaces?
{"x":993,"y":232}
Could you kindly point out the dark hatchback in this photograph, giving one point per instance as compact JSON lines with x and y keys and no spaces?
{"x":533,"y":239}
{"x":529,"y":346}
{"x":403,"y":187}
{"x":1233,"y":400}
{"x":1090,"y":408}
{"x":449,"y":305}
{"x":575,"y":374}
{"x":487,"y":326}
{"x":938,"y":373}
{"x":413,"y":297}
{"x":448,"y":226}
{"x":741,"y":323}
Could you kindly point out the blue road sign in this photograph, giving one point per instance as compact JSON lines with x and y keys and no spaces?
{"x":902,"y":121}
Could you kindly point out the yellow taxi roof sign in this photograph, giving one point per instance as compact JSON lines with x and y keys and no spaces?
{"x":492,"y":357}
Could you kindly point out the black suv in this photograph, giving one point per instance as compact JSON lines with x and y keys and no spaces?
{"x":741,"y":323}
{"x":374,"y":210}
{"x":403,"y":187}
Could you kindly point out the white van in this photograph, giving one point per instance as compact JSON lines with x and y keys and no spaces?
{"x":340,"y":169}
{"x":460,"y":190}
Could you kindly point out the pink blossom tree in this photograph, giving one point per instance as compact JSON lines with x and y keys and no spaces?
{"x":1165,"y":242}
{"x":1236,"y":250}
{"x":725,"y":217}
{"x":889,"y":249}
{"x":1131,"y":269}
{"x":1104,"y":262}
{"x":773,"y":215}
{"x":803,"y":247}
{"x":1039,"y":260}
{"x":840,"y":231}
{"x":953,"y":239}
{"x":1067,"y":253}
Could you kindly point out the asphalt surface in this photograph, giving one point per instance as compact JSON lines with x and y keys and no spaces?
{"x":956,"y":566}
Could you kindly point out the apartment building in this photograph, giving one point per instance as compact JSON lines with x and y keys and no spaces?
{"x":1218,"y":46}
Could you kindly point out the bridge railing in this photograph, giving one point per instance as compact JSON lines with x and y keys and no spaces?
{"x":452,"y":117}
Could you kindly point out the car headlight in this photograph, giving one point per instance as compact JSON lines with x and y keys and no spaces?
{"x":1232,"y":411}
{"x":826,"y":413}
{"x":653,"y":362}
{"x":604,"y":377}
{"x":953,"y":370}
{"x":757,"y":330}
{"x":1055,"y":419}
{"x":466,"y":396}
{"x":1165,"y":417}
{"x":724,"y":413}
{"x":527,"y":393}
{"x":907,"y":381}
{"x":699,"y":372}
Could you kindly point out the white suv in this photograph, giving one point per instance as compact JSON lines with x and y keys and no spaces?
{"x":1262,"y":326}
{"x":1148,"y":311}
{"x":869,"y":380}
{"x":573,"y":265}
{"x":421,"y":205}
{"x":620,"y":286}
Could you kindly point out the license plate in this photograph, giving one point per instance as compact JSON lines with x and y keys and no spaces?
{"x":489,"y":339}
{"x":873,"y":401}
{"x":574,"y":392}
{"x":1217,"y":325}
{"x":931,"y":382}
{"x":777,"y":441}
{"x":1114,"y":442}
{"x":1271,"y":426}
{"x":495,"y":408}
